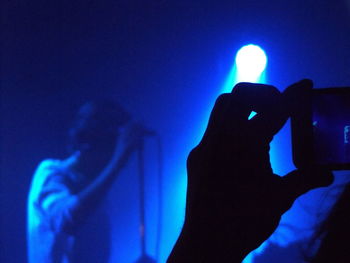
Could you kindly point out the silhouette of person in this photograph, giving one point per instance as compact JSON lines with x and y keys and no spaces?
{"x":64,"y":194}
{"x":234,"y":200}
{"x":334,"y":232}
{"x":329,"y":242}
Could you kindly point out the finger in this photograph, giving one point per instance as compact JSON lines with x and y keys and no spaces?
{"x":293,"y":95}
{"x":227,"y":115}
{"x":256,"y":96}
{"x":294,"y":90}
{"x":280,"y":107}
{"x":300,"y":181}
{"x":267,"y":102}
{"x":215,"y":118}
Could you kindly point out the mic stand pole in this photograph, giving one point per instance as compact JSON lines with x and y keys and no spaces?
{"x":144,"y":258}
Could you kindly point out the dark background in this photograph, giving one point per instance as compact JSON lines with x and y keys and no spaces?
{"x":165,"y":62}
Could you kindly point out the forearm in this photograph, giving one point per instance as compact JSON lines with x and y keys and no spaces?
{"x":92,"y":194}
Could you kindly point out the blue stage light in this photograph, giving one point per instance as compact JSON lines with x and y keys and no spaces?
{"x":251,"y":61}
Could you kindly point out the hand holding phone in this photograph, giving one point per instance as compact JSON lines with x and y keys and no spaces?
{"x":321,"y":128}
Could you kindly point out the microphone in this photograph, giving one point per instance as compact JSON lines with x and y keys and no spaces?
{"x":347,"y":143}
{"x":148,"y":132}
{"x":140,"y":130}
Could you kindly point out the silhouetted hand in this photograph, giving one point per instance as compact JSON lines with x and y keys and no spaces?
{"x":234,"y":201}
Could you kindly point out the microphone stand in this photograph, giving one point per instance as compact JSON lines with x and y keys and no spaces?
{"x":144,"y":258}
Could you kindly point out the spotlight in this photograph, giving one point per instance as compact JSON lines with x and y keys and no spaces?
{"x":251,"y":62}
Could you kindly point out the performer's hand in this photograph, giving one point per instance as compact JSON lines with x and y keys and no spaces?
{"x":130,"y":139}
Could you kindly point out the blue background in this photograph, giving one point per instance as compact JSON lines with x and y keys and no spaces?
{"x":165,"y":62}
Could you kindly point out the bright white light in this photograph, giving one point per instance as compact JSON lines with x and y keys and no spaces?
{"x":251,"y":62}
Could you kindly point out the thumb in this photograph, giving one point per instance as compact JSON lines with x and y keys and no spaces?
{"x":300,"y":181}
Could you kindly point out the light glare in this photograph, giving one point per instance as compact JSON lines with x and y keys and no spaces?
{"x":251,"y":62}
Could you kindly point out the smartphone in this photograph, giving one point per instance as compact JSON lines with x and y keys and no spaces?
{"x":321,"y":129}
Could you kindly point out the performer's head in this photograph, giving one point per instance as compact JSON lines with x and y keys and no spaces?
{"x":96,"y":127}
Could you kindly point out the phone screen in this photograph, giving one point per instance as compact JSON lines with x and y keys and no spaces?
{"x":331,"y":126}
